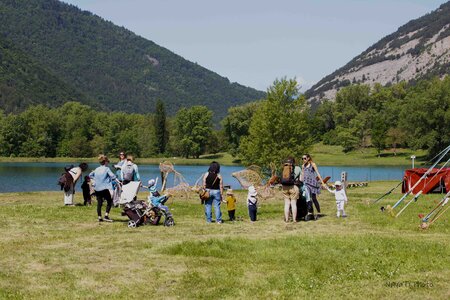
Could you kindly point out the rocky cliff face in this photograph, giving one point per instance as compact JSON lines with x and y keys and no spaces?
{"x":419,"y":49}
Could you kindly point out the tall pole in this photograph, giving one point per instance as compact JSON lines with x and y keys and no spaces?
{"x":413,"y":157}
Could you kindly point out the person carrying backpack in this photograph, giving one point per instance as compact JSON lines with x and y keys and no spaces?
{"x":290,"y":190}
{"x":129,"y":171}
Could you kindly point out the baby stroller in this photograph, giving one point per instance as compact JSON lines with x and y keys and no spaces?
{"x":138,"y":211}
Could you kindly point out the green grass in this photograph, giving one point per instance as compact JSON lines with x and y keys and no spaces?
{"x":222,"y":158}
{"x":334,"y":156}
{"x":55,"y":252}
{"x":323,"y":154}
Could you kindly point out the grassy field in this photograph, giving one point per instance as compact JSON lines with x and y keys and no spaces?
{"x":334,"y":156}
{"x":325,"y":155}
{"x":55,"y":252}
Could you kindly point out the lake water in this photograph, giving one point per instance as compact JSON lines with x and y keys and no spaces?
{"x":25,"y":177}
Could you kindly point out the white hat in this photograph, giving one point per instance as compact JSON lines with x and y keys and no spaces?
{"x":252,"y":191}
{"x":151,"y":182}
{"x":338,"y":183}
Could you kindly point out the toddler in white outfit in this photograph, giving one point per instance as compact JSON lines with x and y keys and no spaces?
{"x":341,"y":198}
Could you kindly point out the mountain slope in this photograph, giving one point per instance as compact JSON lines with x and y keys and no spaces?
{"x":110,"y":64}
{"x":418,"y":49}
{"x":25,"y":82}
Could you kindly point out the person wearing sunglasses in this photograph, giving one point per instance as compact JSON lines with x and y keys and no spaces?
{"x":311,"y":178}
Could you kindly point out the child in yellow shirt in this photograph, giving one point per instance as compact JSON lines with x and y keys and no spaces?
{"x":231,"y":204}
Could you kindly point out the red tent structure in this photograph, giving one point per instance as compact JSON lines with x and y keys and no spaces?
{"x":437,"y":181}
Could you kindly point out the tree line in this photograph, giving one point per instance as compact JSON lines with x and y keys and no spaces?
{"x":261,"y":132}
{"x":77,"y":130}
{"x":401,"y":115}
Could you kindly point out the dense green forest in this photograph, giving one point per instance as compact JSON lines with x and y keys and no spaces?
{"x":110,"y":65}
{"x":282,"y":124}
{"x":24,"y":82}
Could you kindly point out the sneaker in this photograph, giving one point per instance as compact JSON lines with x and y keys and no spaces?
{"x":100,"y":219}
{"x":219,"y":222}
{"x":344,"y":216}
{"x":107,"y":219}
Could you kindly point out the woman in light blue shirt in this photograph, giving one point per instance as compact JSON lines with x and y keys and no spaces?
{"x":103,"y":178}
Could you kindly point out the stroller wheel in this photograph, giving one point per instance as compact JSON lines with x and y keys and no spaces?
{"x":169,"y":222}
{"x":132,"y":224}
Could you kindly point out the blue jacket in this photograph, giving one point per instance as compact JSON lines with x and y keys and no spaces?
{"x":103,"y":178}
{"x":155,"y":199}
{"x":118,"y":166}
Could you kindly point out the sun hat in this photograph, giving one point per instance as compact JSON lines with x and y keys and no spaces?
{"x":151,"y":182}
{"x":229,"y":192}
{"x":252,"y":191}
{"x":338,"y":183}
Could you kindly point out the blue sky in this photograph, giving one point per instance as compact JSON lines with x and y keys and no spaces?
{"x":255,"y":42}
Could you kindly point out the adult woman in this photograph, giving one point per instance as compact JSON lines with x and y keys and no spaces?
{"x":310,"y":177}
{"x":76,"y":173}
{"x":117,"y":188}
{"x":118,"y":166}
{"x":212,"y":181}
{"x":103,"y":178}
{"x":290,"y":189}
{"x":130,"y":171}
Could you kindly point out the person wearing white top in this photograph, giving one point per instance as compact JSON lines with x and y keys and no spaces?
{"x":76,"y":173}
{"x":341,"y":198}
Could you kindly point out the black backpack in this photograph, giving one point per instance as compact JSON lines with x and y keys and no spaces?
{"x":287,"y":173}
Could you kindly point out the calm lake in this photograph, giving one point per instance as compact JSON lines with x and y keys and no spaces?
{"x":26,"y":177}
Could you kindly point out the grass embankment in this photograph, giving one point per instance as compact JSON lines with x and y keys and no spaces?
{"x":222,"y":158}
{"x":327,"y":155}
{"x":324,"y":155}
{"x":55,"y":252}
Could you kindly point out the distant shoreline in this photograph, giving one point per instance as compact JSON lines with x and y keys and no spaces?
{"x":204,"y":162}
{"x":223,"y":159}
{"x":323,"y":155}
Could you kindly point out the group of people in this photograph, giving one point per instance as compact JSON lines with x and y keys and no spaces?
{"x":300,"y":189}
{"x":213,"y":183}
{"x":103,"y":183}
{"x":300,"y":186}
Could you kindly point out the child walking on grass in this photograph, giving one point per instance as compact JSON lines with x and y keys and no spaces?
{"x":252,"y":202}
{"x":341,"y":198}
{"x":231,"y":204}
{"x":87,"y":190}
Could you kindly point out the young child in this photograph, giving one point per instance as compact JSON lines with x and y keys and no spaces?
{"x":341,"y":198}
{"x":156,"y":199}
{"x":252,"y":201}
{"x":87,"y":187}
{"x":231,"y":204}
